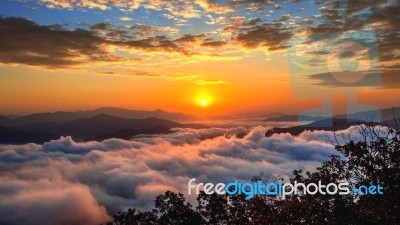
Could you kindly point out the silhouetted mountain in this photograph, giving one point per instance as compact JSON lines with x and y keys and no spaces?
{"x":385,"y":114}
{"x":336,"y":124}
{"x":138,"y":114}
{"x":63,"y":117}
{"x":13,"y":116}
{"x":10,"y":135}
{"x":98,"y":127}
{"x":4,"y":119}
{"x":100,"y":124}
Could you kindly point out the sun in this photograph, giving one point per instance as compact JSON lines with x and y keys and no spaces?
{"x":204,"y":102}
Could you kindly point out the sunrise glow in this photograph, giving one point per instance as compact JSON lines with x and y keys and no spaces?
{"x":204,"y":102}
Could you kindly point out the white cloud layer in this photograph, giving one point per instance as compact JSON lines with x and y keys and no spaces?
{"x":66,"y":182}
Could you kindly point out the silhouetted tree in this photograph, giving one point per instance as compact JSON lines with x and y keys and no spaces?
{"x":213,"y":208}
{"x":174,"y":210}
{"x":134,"y":217}
{"x":375,"y":160}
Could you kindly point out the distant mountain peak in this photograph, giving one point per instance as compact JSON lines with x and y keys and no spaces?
{"x":102,"y":116}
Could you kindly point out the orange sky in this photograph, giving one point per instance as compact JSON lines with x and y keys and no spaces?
{"x":237,"y":61}
{"x":28,"y":89}
{"x":266,"y":90}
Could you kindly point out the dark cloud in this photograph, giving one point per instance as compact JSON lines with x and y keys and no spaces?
{"x":25,"y":42}
{"x":270,"y":35}
{"x":102,"y":26}
{"x":214,"y":44}
{"x":110,"y":32}
{"x":142,"y":30}
{"x":145,"y":28}
{"x":387,"y":20}
{"x":188,"y":38}
{"x":157,"y":43}
{"x":381,"y":21}
{"x":327,"y":79}
{"x":359,"y":15}
{"x":260,"y":5}
{"x":235,"y":24}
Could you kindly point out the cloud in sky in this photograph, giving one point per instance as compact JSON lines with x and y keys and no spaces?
{"x":85,"y":182}
{"x":220,"y":31}
{"x":359,"y":15}
{"x":269,"y":35}
{"x":179,"y":8}
{"x":125,"y":18}
{"x":25,"y":42}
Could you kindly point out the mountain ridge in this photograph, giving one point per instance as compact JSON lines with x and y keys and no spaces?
{"x":98,"y":127}
{"x":386,"y":114}
{"x":66,"y":116}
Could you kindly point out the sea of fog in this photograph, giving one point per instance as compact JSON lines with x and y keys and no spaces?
{"x":65,"y":181}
